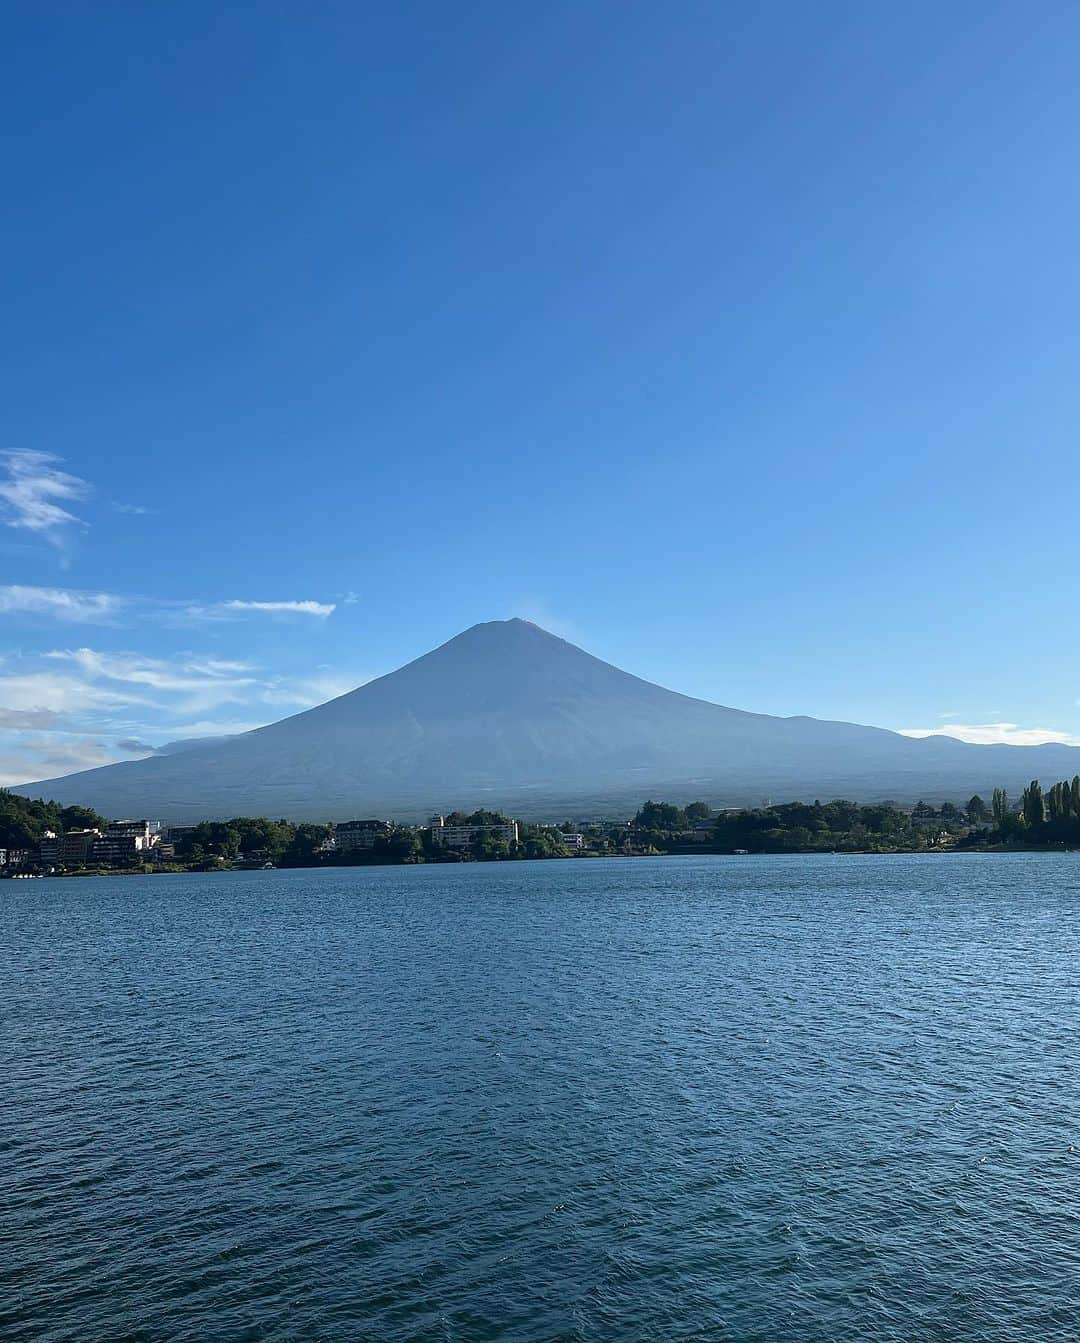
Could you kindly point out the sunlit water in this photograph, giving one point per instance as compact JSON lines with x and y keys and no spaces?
{"x":718,"y":1098}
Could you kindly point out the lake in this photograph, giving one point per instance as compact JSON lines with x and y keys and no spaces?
{"x":807,"y":1098}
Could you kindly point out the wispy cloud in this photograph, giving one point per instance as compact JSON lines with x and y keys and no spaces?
{"x":183,"y":684}
{"x":215,"y":727}
{"x":219,"y":666}
{"x":132,"y":510}
{"x":196,"y":613}
{"x":68,"y":709}
{"x":203,"y":683}
{"x":60,"y":603}
{"x":22,"y":719}
{"x":309,"y":690}
{"x":109,"y":608}
{"x":539,"y":613}
{"x":132,"y":746}
{"x":33,"y":492}
{"x":296,"y":608}
{"x":996,"y":734}
{"x":61,"y":712}
{"x":61,"y":694}
{"x":186,"y":735}
{"x":53,"y":755}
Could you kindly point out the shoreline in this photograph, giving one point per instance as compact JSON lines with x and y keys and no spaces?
{"x":227,"y":869}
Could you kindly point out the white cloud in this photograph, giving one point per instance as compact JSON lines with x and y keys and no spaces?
{"x":132,"y":746}
{"x":185,"y":684}
{"x":213,"y":727}
{"x":70,"y":709}
{"x":236,"y":609}
{"x":34,"y":491}
{"x":996,"y":734}
{"x":21,"y":719}
{"x":308,"y":691}
{"x":132,"y":510}
{"x":59,"y":693}
{"x":107,"y":608}
{"x":202,"y":683}
{"x":539,"y":613}
{"x":299,"y":608}
{"x":318,"y":689}
{"x":219,"y":666}
{"x":38,"y":757}
{"x":60,"y":603}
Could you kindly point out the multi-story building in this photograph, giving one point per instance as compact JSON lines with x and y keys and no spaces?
{"x":11,"y":858}
{"x":147,"y":832}
{"x":171,"y":834}
{"x":572,"y":841}
{"x":79,"y":845}
{"x":124,"y":840}
{"x":71,"y":849}
{"x":461,"y":836}
{"x":359,"y":834}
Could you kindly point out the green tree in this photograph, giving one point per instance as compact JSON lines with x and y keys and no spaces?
{"x":305,"y":842}
{"x":19,"y":826}
{"x":1033,"y":804}
{"x":977,"y":810}
{"x":24,"y":820}
{"x":840,"y":814}
{"x":401,"y":845}
{"x":881,"y":818}
{"x":211,"y":840}
{"x":541,"y":841}
{"x":489,"y":847}
{"x":81,"y":818}
{"x":661,"y":817}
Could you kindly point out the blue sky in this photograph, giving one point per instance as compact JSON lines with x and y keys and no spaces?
{"x":736,"y":342}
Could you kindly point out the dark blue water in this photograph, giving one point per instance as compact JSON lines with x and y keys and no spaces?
{"x":745,"y":1099}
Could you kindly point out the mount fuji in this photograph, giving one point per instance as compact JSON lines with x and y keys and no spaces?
{"x":507,"y":715}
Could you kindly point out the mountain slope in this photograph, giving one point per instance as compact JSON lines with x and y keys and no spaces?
{"x":508,"y":714}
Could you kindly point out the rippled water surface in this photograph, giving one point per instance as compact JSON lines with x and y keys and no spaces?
{"x":716,"y":1098}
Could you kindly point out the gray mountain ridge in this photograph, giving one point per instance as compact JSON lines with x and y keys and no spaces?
{"x":507,"y":715}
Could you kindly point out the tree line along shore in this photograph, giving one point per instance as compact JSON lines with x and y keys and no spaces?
{"x":36,"y":836}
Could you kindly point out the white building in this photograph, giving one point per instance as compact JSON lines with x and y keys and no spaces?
{"x":461,"y":836}
{"x":124,"y":840}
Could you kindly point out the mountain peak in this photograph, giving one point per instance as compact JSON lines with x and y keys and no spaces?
{"x":514,"y":625}
{"x":504,"y":638}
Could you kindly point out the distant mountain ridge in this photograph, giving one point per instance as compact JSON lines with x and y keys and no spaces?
{"x":507,"y":714}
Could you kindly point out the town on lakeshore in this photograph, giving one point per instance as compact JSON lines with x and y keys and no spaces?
{"x":39,"y":838}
